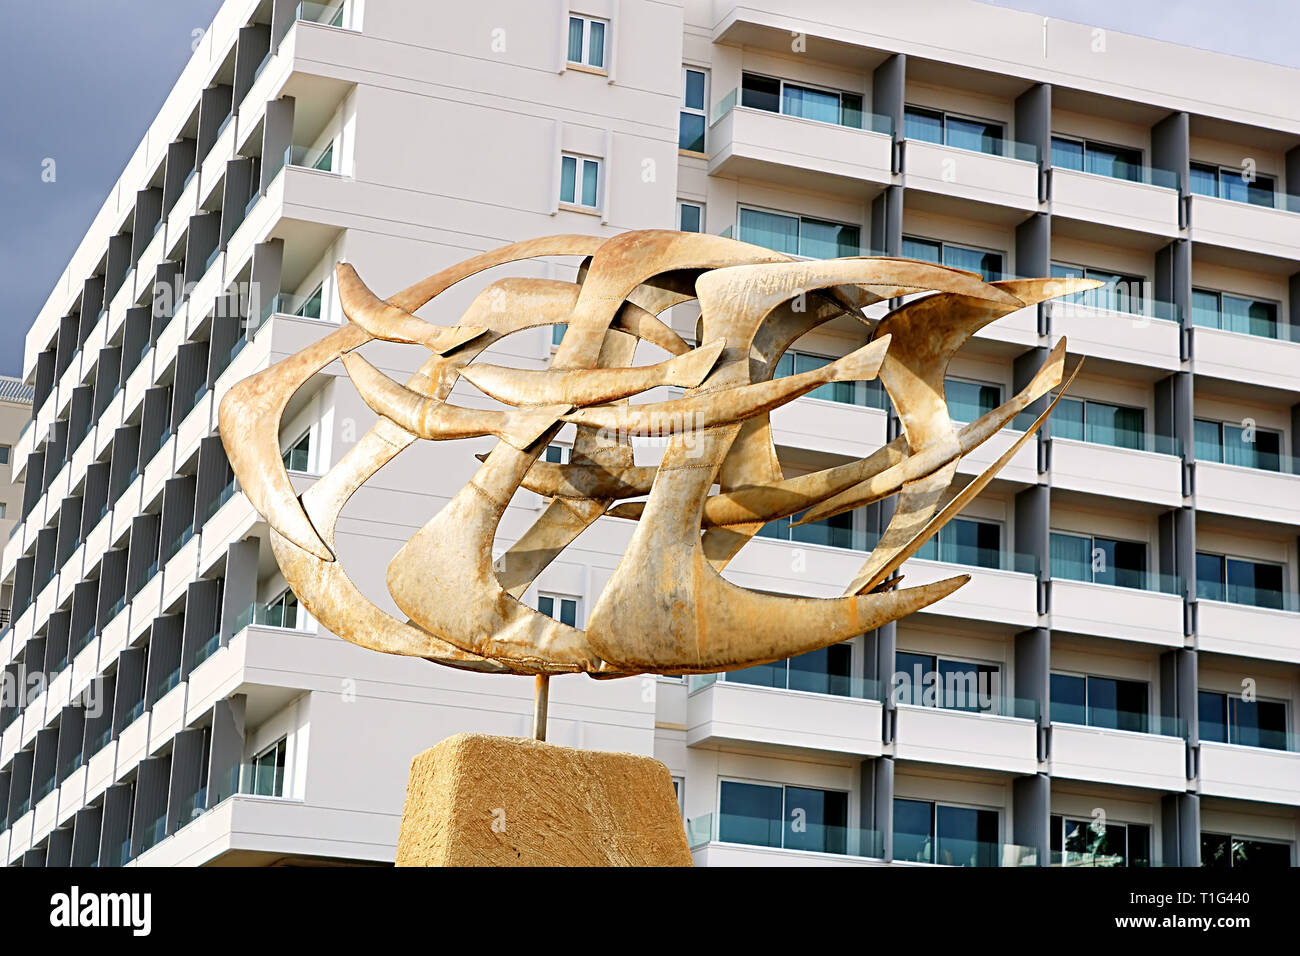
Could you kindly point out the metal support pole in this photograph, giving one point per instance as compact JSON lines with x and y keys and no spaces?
{"x":541,"y":698}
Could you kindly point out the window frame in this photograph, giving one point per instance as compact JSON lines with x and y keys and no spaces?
{"x":800,"y":84}
{"x":585,"y":56}
{"x":800,"y":219}
{"x":683,"y":203}
{"x":1085,"y":142}
{"x":1219,"y":171}
{"x":286,"y":455}
{"x":943,"y":123}
{"x":559,"y":597}
{"x":1149,"y":715}
{"x":702,"y":111}
{"x":934,"y":837}
{"x":944,"y":244}
{"x":849,"y":808}
{"x":579,"y":181}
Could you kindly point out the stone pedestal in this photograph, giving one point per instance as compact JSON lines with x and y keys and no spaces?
{"x":479,"y":800}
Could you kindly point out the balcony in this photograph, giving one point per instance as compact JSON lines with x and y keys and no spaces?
{"x":1004,"y":739}
{"x":1151,"y":754}
{"x":853,"y":429}
{"x":1135,"y":467}
{"x":1268,"y":493}
{"x":1146,"y":200}
{"x":1267,"y":224}
{"x":1007,"y":175}
{"x":1148,"y":338}
{"x":728,"y":839}
{"x":1270,"y":772}
{"x":1250,"y":622}
{"x":843,"y":719}
{"x":1125,"y":604}
{"x":779,"y":148}
{"x":1263,"y":353}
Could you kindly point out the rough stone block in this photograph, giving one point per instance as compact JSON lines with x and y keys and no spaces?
{"x":479,"y":800}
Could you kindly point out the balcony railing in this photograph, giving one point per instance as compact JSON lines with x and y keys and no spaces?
{"x":177,"y":542}
{"x":849,"y":119}
{"x":1067,"y":569}
{"x":1248,"y":194}
{"x":950,"y":851}
{"x":283,"y":303}
{"x":1098,"y":434}
{"x":1260,"y":738}
{"x":778,"y":834}
{"x":307,"y":157}
{"x":1107,"y":718}
{"x":1243,"y":324}
{"x":192,"y":807}
{"x":1128,"y":172}
{"x":954,"y":552}
{"x":206,"y":649}
{"x":250,"y":779}
{"x":1248,"y":595}
{"x":154,"y":832}
{"x":780,"y":677}
{"x":1109,"y":299}
{"x":259,"y":615}
{"x":999,"y":146}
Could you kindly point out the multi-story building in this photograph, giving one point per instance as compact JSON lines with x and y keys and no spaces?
{"x":1118,"y":684}
{"x":15,"y":414}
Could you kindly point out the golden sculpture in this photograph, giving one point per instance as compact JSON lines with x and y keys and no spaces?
{"x":667,"y":609}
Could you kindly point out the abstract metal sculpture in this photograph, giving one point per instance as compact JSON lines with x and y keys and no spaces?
{"x":667,"y":608}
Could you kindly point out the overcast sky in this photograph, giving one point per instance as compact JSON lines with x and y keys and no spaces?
{"x":84,"y":78}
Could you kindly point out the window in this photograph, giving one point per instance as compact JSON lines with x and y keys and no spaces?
{"x":966,"y":541}
{"x":1238,"y":581}
{"x":1234,"y":313}
{"x":836,"y":531}
{"x":297,"y":457}
{"x":325,"y":161}
{"x":266,"y":771}
{"x":968,"y":401}
{"x":587,"y":42}
{"x":1222,"y":851}
{"x":690,"y":216}
{"x":3,"y":507}
{"x":926,"y":832}
{"x":691,"y":121}
{"x":795,"y":818}
{"x":1085,"y":843}
{"x":808,"y":102}
{"x":987,"y":264}
{"x":310,"y":308}
{"x":869,"y":394}
{"x":798,"y":235}
{"x":947,"y":129}
{"x":1228,"y":719}
{"x":1099,"y":422}
{"x":283,"y":610}
{"x":563,"y":609}
{"x":580,"y":181}
{"x":557,"y":454}
{"x":825,"y":671}
{"x":1099,"y":702}
{"x":5,"y":452}
{"x":929,"y":681}
{"x":1081,"y":557}
{"x":1121,"y":293}
{"x":1226,"y":182}
{"x":1101,"y":159}
{"x":1236,"y":445}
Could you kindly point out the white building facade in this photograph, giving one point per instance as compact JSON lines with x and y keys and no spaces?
{"x":1118,"y":684}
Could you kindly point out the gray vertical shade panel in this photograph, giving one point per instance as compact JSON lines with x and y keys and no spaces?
{"x":177,"y":513}
{"x":148,"y":213}
{"x":68,"y":342}
{"x":154,"y":420}
{"x":882,"y":800}
{"x":99,"y":718}
{"x":129,"y":686}
{"x":24,"y":576}
{"x":69,"y":530}
{"x":241,"y":585}
{"x":227,"y":748}
{"x":112,"y":583}
{"x":95,"y":497}
{"x":136,"y":340}
{"x":46,"y":546}
{"x":119,"y":264}
{"x":33,"y":858}
{"x":45,"y":763}
{"x":228,"y":313}
{"x":1170,"y":147}
{"x":1180,"y":829}
{"x":215,"y":104}
{"x":168,"y":291}
{"x":81,"y":415}
{"x":164,"y":656}
{"x":85,"y":836}
{"x":204,"y":236}
{"x":277,"y":136}
{"x":72,"y":733}
{"x":1293,"y":284}
{"x":45,"y":376}
{"x":115,"y":826}
{"x":191,"y":375}
{"x":283,"y":13}
{"x":56,"y":640}
{"x":181,"y":157}
{"x":151,"y":785}
{"x":56,"y":450}
{"x":20,"y":783}
{"x":125,"y":460}
{"x":32,"y":487}
{"x":35,"y":657}
{"x":264,"y":279}
{"x":58,"y":851}
{"x":96,"y":292}
{"x":142,"y":550}
{"x":202,"y":619}
{"x":4,"y":797}
{"x":85,"y":597}
{"x":1033,"y":119}
{"x":1033,"y":530}
{"x":252,"y":45}
{"x":189,"y":766}
{"x":236,"y":191}
{"x":1033,"y":651}
{"x":213,"y":475}
{"x":1031,"y":814}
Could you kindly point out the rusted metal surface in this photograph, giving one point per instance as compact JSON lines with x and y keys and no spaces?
{"x":666,"y":608}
